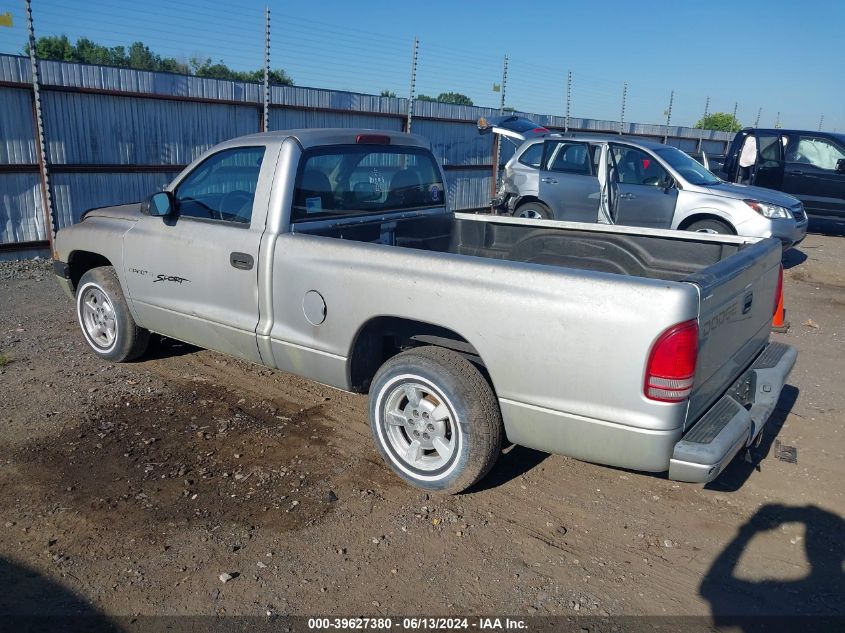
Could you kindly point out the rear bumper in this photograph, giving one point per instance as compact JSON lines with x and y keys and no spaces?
{"x":735,"y":421}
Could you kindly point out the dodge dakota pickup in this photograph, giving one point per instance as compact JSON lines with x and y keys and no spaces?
{"x":333,"y":254}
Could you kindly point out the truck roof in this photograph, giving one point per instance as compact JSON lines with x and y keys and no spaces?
{"x":315,"y":137}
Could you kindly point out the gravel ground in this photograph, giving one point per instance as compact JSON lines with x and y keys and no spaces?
{"x":191,"y":483}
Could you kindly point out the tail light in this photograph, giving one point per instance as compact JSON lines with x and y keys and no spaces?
{"x":671,"y":364}
{"x":540,"y":130}
{"x":779,"y":293}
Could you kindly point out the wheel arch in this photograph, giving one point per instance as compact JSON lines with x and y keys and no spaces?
{"x":382,"y":337}
{"x":708,"y":214}
{"x":81,"y":261}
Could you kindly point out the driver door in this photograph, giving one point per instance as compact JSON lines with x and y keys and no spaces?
{"x":193,"y":276}
{"x":769,"y":170}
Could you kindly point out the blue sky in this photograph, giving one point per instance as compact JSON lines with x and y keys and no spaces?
{"x":782,"y":56}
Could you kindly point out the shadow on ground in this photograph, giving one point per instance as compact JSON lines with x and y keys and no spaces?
{"x":31,"y":602}
{"x":834,"y":227}
{"x":512,"y":463}
{"x":775,"y":605}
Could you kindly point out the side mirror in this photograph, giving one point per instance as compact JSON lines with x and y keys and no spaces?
{"x":840,"y":165}
{"x":159,"y":204}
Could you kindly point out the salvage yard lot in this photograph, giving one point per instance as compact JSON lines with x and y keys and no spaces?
{"x":130,"y":489}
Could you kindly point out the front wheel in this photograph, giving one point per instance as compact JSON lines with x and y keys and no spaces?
{"x":107,"y":324}
{"x":710,"y":226}
{"x":533,"y":211}
{"x":435,"y":419}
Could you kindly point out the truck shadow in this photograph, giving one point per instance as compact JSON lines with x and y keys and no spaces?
{"x":162,"y":347}
{"x":513,"y":462}
{"x":741,"y":468}
{"x":31,"y":602}
{"x":739,"y":602}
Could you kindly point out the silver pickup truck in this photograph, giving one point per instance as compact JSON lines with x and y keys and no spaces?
{"x":332,"y":254}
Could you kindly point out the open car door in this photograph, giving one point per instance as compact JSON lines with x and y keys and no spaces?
{"x":769,"y":170}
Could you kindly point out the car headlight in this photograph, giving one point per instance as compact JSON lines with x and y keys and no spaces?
{"x":771,"y":211}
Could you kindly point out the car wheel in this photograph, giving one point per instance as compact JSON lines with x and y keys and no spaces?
{"x":534,"y":211}
{"x":107,"y":324}
{"x":435,"y":419}
{"x":711,"y":226}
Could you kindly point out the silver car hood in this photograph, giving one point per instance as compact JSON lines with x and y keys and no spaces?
{"x":748,"y":192}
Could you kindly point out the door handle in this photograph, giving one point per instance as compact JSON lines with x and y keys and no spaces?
{"x":795,"y":172}
{"x":626,"y":196}
{"x":242,"y":261}
{"x":549,"y":181}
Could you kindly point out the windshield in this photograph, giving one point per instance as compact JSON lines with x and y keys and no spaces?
{"x":692,"y":171}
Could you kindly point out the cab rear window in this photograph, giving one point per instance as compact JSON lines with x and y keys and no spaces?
{"x":363,"y":179}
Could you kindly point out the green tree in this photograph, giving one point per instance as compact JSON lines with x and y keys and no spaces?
{"x":139,"y":56}
{"x":387,"y":93}
{"x":720,"y":121}
{"x":447,"y":97}
{"x":454,"y":97}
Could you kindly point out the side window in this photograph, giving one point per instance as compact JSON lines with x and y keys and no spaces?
{"x":222,"y":187}
{"x":533,"y":156}
{"x":769,"y":147}
{"x":635,"y":167}
{"x":568,"y":158}
{"x":818,"y":152}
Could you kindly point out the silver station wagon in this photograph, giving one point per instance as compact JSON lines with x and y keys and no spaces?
{"x":620,"y":180}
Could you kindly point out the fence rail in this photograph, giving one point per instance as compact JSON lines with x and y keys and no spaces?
{"x":115,"y":135}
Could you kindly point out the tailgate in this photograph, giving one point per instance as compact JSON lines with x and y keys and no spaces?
{"x":735,"y":317}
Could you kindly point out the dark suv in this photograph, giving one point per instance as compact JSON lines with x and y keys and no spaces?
{"x":807,"y":165}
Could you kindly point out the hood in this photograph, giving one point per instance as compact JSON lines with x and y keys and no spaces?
{"x":745,"y":192}
{"x":131,"y":212}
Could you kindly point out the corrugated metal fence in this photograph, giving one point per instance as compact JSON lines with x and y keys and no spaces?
{"x":116,"y":135}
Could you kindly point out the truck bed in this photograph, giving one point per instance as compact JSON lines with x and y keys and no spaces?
{"x":736,"y":278}
{"x":570,"y":245}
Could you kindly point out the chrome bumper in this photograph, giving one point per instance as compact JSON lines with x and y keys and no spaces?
{"x":736,"y":420}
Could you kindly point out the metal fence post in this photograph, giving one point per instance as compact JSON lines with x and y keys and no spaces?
{"x":498,"y":145}
{"x":41,"y":144}
{"x":669,"y":116}
{"x":411,"y":92}
{"x":568,"y":100}
{"x":622,"y":115}
{"x":821,"y":122}
{"x":265,"y":120}
{"x":703,"y":123}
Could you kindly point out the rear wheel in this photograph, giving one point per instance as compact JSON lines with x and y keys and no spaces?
{"x":107,"y":324}
{"x":710,"y":226}
{"x":534,"y":211}
{"x":435,"y":419}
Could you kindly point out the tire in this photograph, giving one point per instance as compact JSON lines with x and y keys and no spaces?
{"x":456,"y":419}
{"x":104,"y":317}
{"x":710,"y":226}
{"x":533,"y":210}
